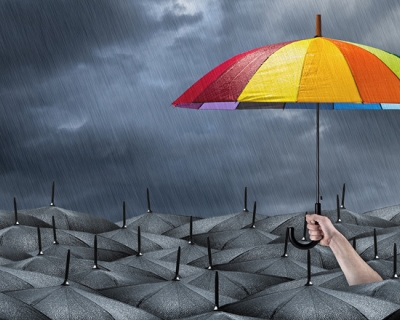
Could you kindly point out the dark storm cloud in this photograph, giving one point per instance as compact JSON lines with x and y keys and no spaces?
{"x":46,"y":32}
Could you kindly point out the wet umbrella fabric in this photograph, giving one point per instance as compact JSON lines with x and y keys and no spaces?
{"x":12,"y":308}
{"x":149,"y":241}
{"x":72,"y":220}
{"x":234,"y":284}
{"x":312,"y":302}
{"x":387,"y":290}
{"x":68,"y":302}
{"x":189,"y":253}
{"x":229,"y":239}
{"x":184,"y":300}
{"x":214,"y":224}
{"x":11,"y":279}
{"x":391,"y":213}
{"x":280,"y":267}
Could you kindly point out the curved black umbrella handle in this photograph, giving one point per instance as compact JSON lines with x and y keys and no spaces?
{"x":304,"y":246}
{"x":298,"y":245}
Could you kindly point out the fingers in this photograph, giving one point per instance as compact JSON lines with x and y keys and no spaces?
{"x":315,"y":235}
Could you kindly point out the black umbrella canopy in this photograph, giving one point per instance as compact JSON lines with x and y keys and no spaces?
{"x":280,"y":267}
{"x":148,"y":241}
{"x":391,"y":213}
{"x":188,"y":254}
{"x":229,"y":239}
{"x":20,"y":238}
{"x":50,"y":265}
{"x":219,"y":315}
{"x":167,"y":299}
{"x":233,"y":221}
{"x":159,"y":268}
{"x":220,"y":223}
{"x":69,"y":302}
{"x":378,"y":245}
{"x":312,"y":302}
{"x":322,"y":257}
{"x":71,"y":220}
{"x":14,"y":309}
{"x":219,"y":257}
{"x":11,"y":279}
{"x":10,"y":254}
{"x":387,"y":290}
{"x":234,"y":284}
{"x":9,"y":218}
{"x":153,"y":222}
{"x":352,"y":217}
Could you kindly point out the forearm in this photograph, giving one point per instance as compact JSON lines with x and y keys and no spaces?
{"x":356,"y":270}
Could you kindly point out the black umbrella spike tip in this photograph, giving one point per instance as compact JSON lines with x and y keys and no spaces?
{"x":191,"y":230}
{"x":375,"y":246}
{"x":210,"y":264}
{"x":95,"y":265}
{"x":309,"y":282}
{"x":52,"y":195}
{"x":216,"y":297}
{"x":395,"y":275}
{"x":15,"y":212}
{"x":343,"y":194}
{"x":139,"y":251}
{"x":148,"y":201}
{"x":284,"y":255}
{"x":40,"y":253}
{"x":304,"y":228}
{"x":178,"y":261}
{"x":245,"y":200}
{"x":66,"y":283}
{"x":253,"y":222}
{"x":338,"y":209}
{"x":54,"y":230}
{"x":123,"y":215}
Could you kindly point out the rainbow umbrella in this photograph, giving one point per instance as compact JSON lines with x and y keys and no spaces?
{"x":317,"y":73}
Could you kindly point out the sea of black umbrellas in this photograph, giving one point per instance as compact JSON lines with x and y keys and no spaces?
{"x":62,"y":264}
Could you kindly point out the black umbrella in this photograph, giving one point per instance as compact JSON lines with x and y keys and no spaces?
{"x":379,"y":245}
{"x":313,"y":302}
{"x":188,"y":253}
{"x":14,"y":309}
{"x":70,"y":219}
{"x":171,"y":299}
{"x":149,"y":241}
{"x":391,"y":213}
{"x":216,"y":313}
{"x":219,"y":223}
{"x":235,"y":284}
{"x":11,"y":279}
{"x":153,"y":222}
{"x":69,"y":302}
{"x":97,"y":276}
{"x":160,"y":268}
{"x":8,"y":219}
{"x":282,"y":266}
{"x":249,"y":236}
{"x":387,"y":290}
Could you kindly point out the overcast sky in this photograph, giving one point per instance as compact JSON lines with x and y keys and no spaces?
{"x":85,"y":100}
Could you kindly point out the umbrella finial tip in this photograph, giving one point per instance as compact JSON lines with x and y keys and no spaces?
{"x":318,"y":32}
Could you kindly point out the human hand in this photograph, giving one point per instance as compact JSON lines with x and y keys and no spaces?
{"x":321,"y":229}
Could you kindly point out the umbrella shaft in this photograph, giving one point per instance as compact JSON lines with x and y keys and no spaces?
{"x":317,"y":154}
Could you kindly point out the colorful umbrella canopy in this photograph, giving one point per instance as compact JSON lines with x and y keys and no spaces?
{"x":342,"y":74}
